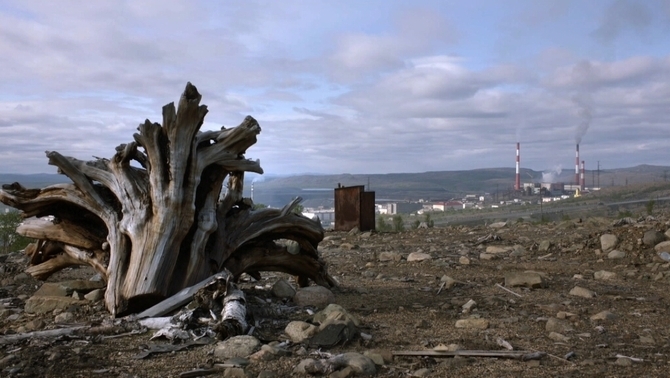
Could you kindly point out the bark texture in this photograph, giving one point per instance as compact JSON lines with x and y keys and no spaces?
{"x":151,"y":221}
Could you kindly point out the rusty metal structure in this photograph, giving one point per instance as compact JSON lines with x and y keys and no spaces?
{"x":354,"y":207}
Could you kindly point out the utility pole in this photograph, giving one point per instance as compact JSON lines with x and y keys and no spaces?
{"x":598,"y":173}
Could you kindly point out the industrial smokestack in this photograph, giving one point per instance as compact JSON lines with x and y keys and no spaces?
{"x":582,"y":182}
{"x":517,"y":181}
{"x":577,"y":165}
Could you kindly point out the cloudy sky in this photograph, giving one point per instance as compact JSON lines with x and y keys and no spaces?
{"x":374,"y":86}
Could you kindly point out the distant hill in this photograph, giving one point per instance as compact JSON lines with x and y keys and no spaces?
{"x":317,"y":190}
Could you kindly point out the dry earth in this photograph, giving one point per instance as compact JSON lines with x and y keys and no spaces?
{"x":414,"y":306}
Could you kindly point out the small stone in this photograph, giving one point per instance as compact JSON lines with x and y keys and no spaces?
{"x":263,"y":355}
{"x":608,"y":242}
{"x":496,"y":249}
{"x":468,"y":306}
{"x":267,"y":374}
{"x":578,"y":291}
{"x":418,"y":257}
{"x":423,"y":323}
{"x":603,"y":275}
{"x":77,"y":295}
{"x":299,"y":331}
{"x":464,"y":260}
{"x":544,"y":246}
{"x":34,"y":325}
{"x":448,"y":282}
{"x":565,"y":315}
{"x":518,"y":251}
{"x":237,"y":346}
{"x":647,"y":340}
{"x":349,"y":246}
{"x":486,"y":256}
{"x":337,"y":312}
{"x":621,"y":361}
{"x":528,"y":279}
{"x":64,"y":317}
{"x":424,"y":372}
{"x":317,"y":296}
{"x":498,"y":225}
{"x":604,"y":315}
{"x":558,"y":337}
{"x":377,"y":358}
{"x":95,"y":295}
{"x":558,"y":326}
{"x":472,"y":323}
{"x":360,"y":364}
{"x":236,"y":373}
{"x":282,"y":289}
{"x":389,"y":256}
{"x":663,"y":246}
{"x":43,"y":305}
{"x":652,"y":237}
{"x":616,"y":254}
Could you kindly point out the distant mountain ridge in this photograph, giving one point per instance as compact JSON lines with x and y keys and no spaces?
{"x":275,"y":190}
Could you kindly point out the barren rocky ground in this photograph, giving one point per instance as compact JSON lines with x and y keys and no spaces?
{"x":590,"y":295}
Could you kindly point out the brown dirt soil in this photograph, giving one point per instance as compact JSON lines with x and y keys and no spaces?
{"x":399,"y":305}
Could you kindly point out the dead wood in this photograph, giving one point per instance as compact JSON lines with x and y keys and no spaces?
{"x":515,"y":354}
{"x":10,"y":339}
{"x":149,"y":219}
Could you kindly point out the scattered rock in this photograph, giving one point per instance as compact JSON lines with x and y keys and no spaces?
{"x":448,"y":281}
{"x":282,"y":289}
{"x":486,"y":256}
{"x":558,"y":326}
{"x":299,"y":331}
{"x":558,"y":337}
{"x":95,"y":295}
{"x":317,"y":296}
{"x":494,"y":249}
{"x":647,"y":340}
{"x":652,"y":237}
{"x":528,"y":279}
{"x":497,"y":225}
{"x":43,"y":305}
{"x":518,"y":251}
{"x":424,"y":372}
{"x":544,"y":246}
{"x":237,"y":346}
{"x":34,"y":325}
{"x":349,"y":246}
{"x":464,"y":260}
{"x":608,"y":242}
{"x":616,"y":254}
{"x":64,"y":317}
{"x":389,"y":256}
{"x":335,"y":312}
{"x":662,"y":247}
{"x":578,"y":291}
{"x":472,"y":323}
{"x":603,"y":275}
{"x":621,"y":361}
{"x":418,"y":256}
{"x":603,"y":315}
{"x":67,"y":288}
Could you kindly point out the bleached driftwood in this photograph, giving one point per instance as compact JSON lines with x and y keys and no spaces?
{"x":149,"y":219}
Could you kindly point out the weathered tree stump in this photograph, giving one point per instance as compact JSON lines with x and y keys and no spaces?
{"x":149,"y":219}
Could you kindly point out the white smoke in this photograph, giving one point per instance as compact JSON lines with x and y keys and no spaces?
{"x":585,"y":113}
{"x":551,"y":175}
{"x":258,"y":179}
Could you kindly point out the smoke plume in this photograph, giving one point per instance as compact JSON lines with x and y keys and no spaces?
{"x":584,"y":112}
{"x":551,"y":175}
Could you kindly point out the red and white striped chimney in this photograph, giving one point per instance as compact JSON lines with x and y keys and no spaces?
{"x":582,"y":182}
{"x":577,"y":165}
{"x":517,"y":181}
